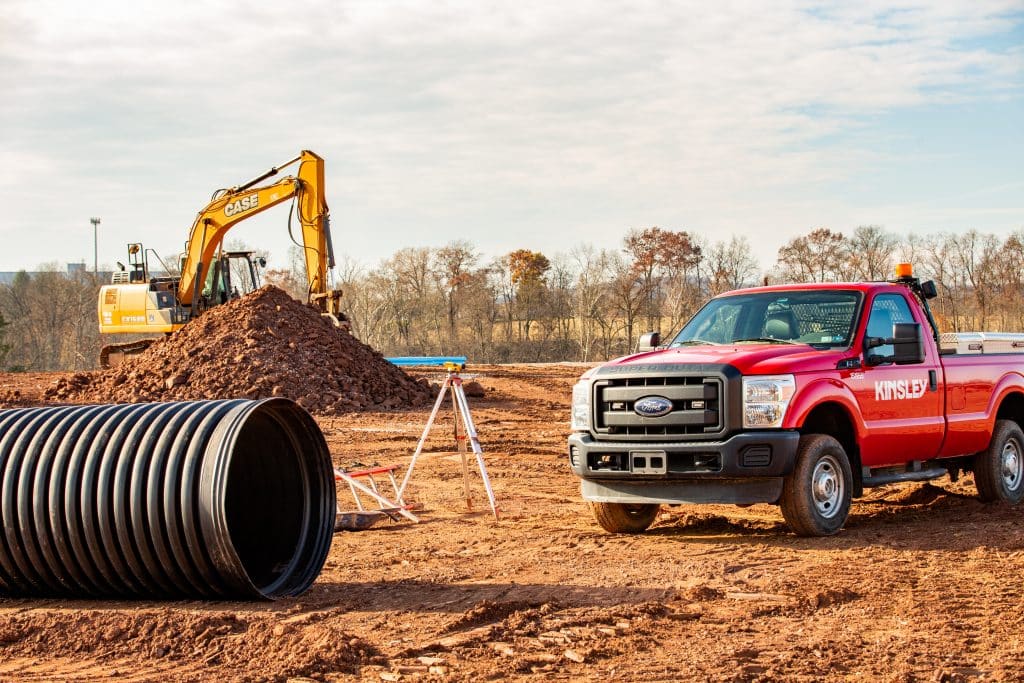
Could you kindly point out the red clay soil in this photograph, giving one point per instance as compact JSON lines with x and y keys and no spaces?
{"x":923,"y":584}
{"x":263,"y":344}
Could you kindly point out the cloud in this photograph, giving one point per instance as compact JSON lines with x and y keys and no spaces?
{"x":557,"y":122}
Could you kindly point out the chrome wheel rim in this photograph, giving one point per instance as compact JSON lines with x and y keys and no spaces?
{"x":1011,"y":465}
{"x":827,"y":486}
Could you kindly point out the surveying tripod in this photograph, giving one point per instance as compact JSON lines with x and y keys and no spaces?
{"x":460,"y":406}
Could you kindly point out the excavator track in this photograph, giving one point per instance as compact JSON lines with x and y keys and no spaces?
{"x":113,"y":355}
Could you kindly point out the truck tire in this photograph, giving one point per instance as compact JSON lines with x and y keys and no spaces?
{"x":999,"y":469}
{"x":816,"y":494}
{"x":625,"y":518}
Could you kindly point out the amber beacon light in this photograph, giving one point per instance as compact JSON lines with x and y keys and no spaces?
{"x":904,"y":270}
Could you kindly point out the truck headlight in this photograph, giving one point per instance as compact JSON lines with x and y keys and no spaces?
{"x":765,"y":399}
{"x":580,"y":420}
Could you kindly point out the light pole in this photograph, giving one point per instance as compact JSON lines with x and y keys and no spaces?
{"x":95,"y":247}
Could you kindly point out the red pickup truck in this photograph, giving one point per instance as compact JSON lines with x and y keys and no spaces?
{"x":801,"y":395}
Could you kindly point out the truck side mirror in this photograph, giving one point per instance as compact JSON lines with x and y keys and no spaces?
{"x":907,"y":344}
{"x":648,"y":342}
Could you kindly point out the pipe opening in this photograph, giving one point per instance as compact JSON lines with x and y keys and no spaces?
{"x":265,"y":501}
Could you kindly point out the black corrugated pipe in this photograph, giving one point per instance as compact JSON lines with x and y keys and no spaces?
{"x":213,"y":499}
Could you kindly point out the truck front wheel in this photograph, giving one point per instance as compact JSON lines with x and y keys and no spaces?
{"x":816,"y":494}
{"x":999,"y":469}
{"x":625,"y":518}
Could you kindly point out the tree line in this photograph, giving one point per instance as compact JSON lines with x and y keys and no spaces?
{"x":48,"y":321}
{"x":584,"y":305}
{"x":592,"y":304}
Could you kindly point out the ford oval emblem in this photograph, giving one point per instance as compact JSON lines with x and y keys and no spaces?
{"x":652,"y":406}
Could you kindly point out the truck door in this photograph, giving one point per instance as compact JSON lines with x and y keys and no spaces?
{"x":901,"y":404}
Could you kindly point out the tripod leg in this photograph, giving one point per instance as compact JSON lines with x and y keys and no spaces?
{"x":460,"y":443}
{"x":459,"y":396}
{"x":423,"y":439}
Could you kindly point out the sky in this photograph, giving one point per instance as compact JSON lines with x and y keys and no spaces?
{"x":535,"y":125}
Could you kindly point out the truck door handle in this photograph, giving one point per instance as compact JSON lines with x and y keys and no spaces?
{"x":933,"y":380}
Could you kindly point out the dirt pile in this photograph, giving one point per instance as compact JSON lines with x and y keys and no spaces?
{"x":190,"y":647}
{"x":261,"y":345}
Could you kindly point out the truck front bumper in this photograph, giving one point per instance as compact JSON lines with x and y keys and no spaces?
{"x":748,"y":467}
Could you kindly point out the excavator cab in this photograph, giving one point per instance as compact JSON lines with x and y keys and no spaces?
{"x":232,"y":274}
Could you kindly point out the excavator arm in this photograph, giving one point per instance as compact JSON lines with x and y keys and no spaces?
{"x":245,"y":201}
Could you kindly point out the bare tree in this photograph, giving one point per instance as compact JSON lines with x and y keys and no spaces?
{"x":1011,"y":269}
{"x":5,"y":348}
{"x":591,"y":301}
{"x":975,"y":260}
{"x":453,"y":265}
{"x":731,"y":265}
{"x":557,"y":321}
{"x":480,"y":304}
{"x":938,"y":261}
{"x":871,"y":250}
{"x":628,"y":295}
{"x":500,"y":279}
{"x":820,"y":256}
{"x":51,"y":320}
{"x":664,"y":261}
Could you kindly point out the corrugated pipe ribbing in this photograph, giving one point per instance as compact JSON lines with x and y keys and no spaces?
{"x":210,"y":499}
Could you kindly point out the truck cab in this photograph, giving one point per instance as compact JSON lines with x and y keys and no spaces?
{"x":798,"y":395}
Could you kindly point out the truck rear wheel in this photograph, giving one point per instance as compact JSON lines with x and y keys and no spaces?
{"x":816,"y":494}
{"x":625,"y":518}
{"x":999,"y":469}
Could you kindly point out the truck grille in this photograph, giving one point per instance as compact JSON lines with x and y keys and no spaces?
{"x":696,"y":406}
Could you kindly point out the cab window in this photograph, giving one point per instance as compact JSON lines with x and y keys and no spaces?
{"x":887,"y":310}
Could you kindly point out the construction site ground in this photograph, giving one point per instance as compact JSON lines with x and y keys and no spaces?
{"x":924,"y":584}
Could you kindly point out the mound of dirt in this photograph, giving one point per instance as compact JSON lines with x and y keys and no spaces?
{"x":227,"y":646}
{"x":263,"y":344}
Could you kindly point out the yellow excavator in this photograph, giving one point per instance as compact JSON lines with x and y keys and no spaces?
{"x":136,"y":303}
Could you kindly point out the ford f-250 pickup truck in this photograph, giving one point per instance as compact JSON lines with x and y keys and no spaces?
{"x":800,"y":395}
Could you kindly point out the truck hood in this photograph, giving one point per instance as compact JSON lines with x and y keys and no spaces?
{"x":749,"y":359}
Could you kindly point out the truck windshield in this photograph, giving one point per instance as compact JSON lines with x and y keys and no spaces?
{"x":822,"y":319}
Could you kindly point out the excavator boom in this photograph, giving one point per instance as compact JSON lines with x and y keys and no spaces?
{"x":245,"y":201}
